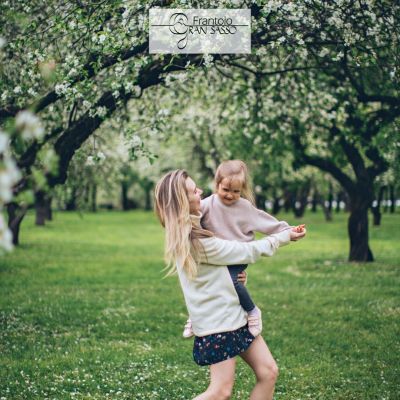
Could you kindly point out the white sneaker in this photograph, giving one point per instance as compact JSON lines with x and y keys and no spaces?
{"x":255,"y":323}
{"x":188,"y":332}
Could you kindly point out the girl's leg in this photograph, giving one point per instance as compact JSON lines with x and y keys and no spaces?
{"x":264,"y":366}
{"x":222,"y":377}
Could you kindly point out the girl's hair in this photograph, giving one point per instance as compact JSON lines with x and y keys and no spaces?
{"x":181,"y":236}
{"x":235,"y":170}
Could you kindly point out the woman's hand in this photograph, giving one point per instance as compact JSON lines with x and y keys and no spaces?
{"x":242,"y":277}
{"x":298,"y":232}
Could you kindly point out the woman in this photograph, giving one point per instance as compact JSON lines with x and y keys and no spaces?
{"x":200,"y":259}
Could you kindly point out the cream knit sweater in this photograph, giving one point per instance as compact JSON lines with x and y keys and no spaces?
{"x":210,"y":297}
{"x":238,"y":221}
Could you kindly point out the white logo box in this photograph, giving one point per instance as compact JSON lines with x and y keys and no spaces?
{"x":199,"y":31}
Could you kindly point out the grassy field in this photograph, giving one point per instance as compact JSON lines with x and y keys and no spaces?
{"x":85,"y":314}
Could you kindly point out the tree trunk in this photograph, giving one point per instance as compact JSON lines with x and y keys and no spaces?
{"x":300,"y":203}
{"x":260,"y":201}
{"x":49,"y":211}
{"x":330,"y":198}
{"x":15,"y":216}
{"x":327,"y":210}
{"x":40,"y":208}
{"x":314,"y":201}
{"x":376,"y":208}
{"x":358,"y":228}
{"x":70,"y":204}
{"x":93,"y":202}
{"x":287,"y":200}
{"x":276,"y":206}
{"x":338,"y":200}
{"x":392,"y":198}
{"x":124,"y":196}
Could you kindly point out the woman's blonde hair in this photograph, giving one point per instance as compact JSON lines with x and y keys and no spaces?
{"x":172,"y":207}
{"x":235,"y":170}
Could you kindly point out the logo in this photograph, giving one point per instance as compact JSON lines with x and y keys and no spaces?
{"x":200,"y":31}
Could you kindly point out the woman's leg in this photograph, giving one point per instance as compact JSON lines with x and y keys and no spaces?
{"x":264,"y":366}
{"x":222,"y":377}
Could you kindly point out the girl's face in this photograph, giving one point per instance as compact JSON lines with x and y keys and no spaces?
{"x":229,"y":191}
{"x":194,"y":196}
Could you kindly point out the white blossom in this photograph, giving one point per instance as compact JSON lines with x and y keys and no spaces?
{"x":32,"y":92}
{"x":101,"y":111}
{"x":17,"y":89}
{"x":61,"y":88}
{"x":115,"y":94}
{"x":208,"y":60}
{"x":4,"y":140}
{"x":90,"y":161}
{"x":5,"y":235}
{"x":101,"y":156}
{"x":2,"y":42}
{"x":9,"y":175}
{"x":102,"y":38}
{"x":136,"y":141}
{"x":29,"y":125}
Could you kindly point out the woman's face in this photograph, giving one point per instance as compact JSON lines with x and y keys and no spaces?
{"x":194,"y":196}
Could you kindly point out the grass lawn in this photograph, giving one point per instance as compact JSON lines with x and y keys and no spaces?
{"x":85,"y":314}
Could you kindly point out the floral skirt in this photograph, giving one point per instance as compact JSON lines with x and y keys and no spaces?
{"x":217,"y":347}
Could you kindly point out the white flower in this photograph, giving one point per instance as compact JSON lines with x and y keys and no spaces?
{"x":6,"y":193}
{"x":72,"y":24}
{"x":208,"y":60}
{"x":29,"y":125}
{"x":128,"y":86}
{"x":136,"y":141}
{"x":5,"y":235}
{"x":86,"y":104}
{"x":137,"y":90}
{"x":8,"y":177}
{"x":4,"y":95}
{"x":102,"y":38}
{"x":32,"y":92}
{"x":323,"y":52}
{"x":163,"y":112}
{"x":72,"y":72}
{"x":61,"y":88}
{"x":101,"y":111}
{"x":101,"y":156}
{"x":3,"y":142}
{"x":2,"y":42}
{"x":90,"y":161}
{"x":17,"y":89}
{"x":116,"y":94}
{"x":392,"y":73}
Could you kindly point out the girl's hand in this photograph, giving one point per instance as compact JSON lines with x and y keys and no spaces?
{"x":242,"y":277}
{"x":298,"y":232}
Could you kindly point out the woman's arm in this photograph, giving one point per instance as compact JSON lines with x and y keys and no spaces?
{"x":229,"y":252}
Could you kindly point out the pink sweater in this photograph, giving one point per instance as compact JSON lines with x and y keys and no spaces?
{"x":238,"y":221}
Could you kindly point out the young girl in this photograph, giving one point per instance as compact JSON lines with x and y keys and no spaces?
{"x":230,"y":214}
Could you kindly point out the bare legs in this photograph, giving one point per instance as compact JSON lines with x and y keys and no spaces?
{"x":222,"y":377}
{"x":264,"y":366}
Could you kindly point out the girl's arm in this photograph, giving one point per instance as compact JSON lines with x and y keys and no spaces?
{"x":260,"y":221}
{"x":229,"y":252}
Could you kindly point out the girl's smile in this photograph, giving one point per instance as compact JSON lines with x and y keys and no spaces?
{"x":229,"y":191}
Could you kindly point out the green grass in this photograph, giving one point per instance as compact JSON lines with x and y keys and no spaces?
{"x":85,"y":313}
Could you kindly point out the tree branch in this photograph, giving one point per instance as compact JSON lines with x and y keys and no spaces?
{"x":323,"y":164}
